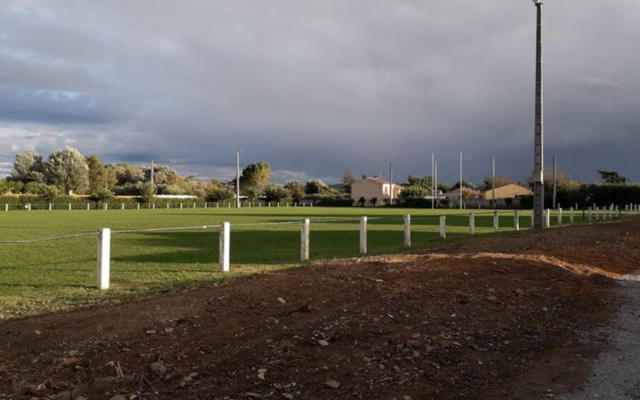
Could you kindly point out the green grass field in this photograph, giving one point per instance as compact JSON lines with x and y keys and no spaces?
{"x":55,"y":275}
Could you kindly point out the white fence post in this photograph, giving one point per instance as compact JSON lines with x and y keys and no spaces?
{"x":105,"y":206}
{"x":153,"y":206}
{"x":611,"y":212}
{"x":104,"y":258}
{"x":597,"y":213}
{"x":571,"y":211}
{"x":304,"y":240}
{"x":407,"y":230}
{"x":88,"y":206}
{"x":547,"y":218}
{"x":516,"y":220}
{"x":138,"y":206}
{"x":6,"y":207}
{"x":472,"y":223}
{"x":532,"y":220}
{"x":589,"y":217}
{"x":29,"y":207}
{"x":181,"y":206}
{"x":443,"y":226}
{"x":50,"y":207}
{"x":363,"y":235}
{"x":559,"y":216}
{"x":225,"y":241}
{"x":496,"y":221}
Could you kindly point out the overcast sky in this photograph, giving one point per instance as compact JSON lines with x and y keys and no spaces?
{"x":318,"y":86}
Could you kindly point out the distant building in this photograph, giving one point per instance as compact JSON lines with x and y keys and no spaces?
{"x":470,"y":197}
{"x":374,"y":188}
{"x":510,"y":191}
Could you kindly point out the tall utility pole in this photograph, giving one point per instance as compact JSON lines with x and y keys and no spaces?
{"x":391,"y":183}
{"x":538,"y":178}
{"x":555,"y":177}
{"x":493,"y":182}
{"x":152,"y":182}
{"x":435,"y":177}
{"x":238,"y":152}
{"x":460,"y":187}
{"x":433,"y":174}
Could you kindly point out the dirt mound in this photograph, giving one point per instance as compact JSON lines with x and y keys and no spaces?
{"x":501,"y":317}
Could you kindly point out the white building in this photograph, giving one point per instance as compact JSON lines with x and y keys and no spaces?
{"x":374,"y":188}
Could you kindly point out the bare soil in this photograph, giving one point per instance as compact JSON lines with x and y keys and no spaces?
{"x":504,"y":317}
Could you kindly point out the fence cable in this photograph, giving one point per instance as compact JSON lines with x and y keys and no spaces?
{"x":49,"y":238}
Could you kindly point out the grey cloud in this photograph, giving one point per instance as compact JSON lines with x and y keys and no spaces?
{"x":316,"y":87}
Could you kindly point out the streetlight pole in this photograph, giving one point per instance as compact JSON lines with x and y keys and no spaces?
{"x":538,"y":179}
{"x":238,"y":152}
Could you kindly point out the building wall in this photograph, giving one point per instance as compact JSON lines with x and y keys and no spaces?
{"x":369,"y":189}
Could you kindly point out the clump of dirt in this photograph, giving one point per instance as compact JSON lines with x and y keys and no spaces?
{"x":500,"y":317}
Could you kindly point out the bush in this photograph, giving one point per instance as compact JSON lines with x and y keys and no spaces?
{"x":335,"y":202}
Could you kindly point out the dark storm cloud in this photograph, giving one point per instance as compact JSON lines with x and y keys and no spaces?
{"x":316,"y":87}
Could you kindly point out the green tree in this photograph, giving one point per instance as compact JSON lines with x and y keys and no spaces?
{"x":347,"y":180}
{"x":147,"y":192}
{"x":100,"y":177}
{"x":4,"y":187}
{"x":50,"y":193}
{"x":221,"y":193}
{"x":255,"y":175}
{"x":414,"y":192}
{"x":316,"y":186}
{"x":28,"y":167}
{"x":296,"y":189}
{"x":613,"y":177}
{"x":67,"y":168}
{"x":275,"y":192}
{"x":253,"y":192}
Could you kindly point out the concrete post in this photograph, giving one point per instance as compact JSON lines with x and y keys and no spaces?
{"x":224,"y":249}
{"x":496,"y":221}
{"x":571,"y":211}
{"x":363,"y":235}
{"x":50,"y":207}
{"x":69,"y":206}
{"x":168,"y":205}
{"x":516,"y":220}
{"x":407,"y":230}
{"x":597,"y":213}
{"x":181,"y":206}
{"x":304,"y":241}
{"x":104,"y":258}
{"x":105,"y":206}
{"x":122,"y":206}
{"x":138,"y":206}
{"x":472,"y":223}
{"x":194,"y":205}
{"x":610,"y":212}
{"x":547,"y":218}
{"x":88,"y":206}
{"x":443,"y":226}
{"x":205,"y":205}
{"x":6,"y":207}
{"x":29,"y":207}
{"x":617,"y":212}
{"x":559,"y":216}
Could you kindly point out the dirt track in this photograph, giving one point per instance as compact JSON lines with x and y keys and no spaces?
{"x":501,"y":317}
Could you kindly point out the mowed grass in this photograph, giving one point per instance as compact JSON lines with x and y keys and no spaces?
{"x":56,"y":275}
